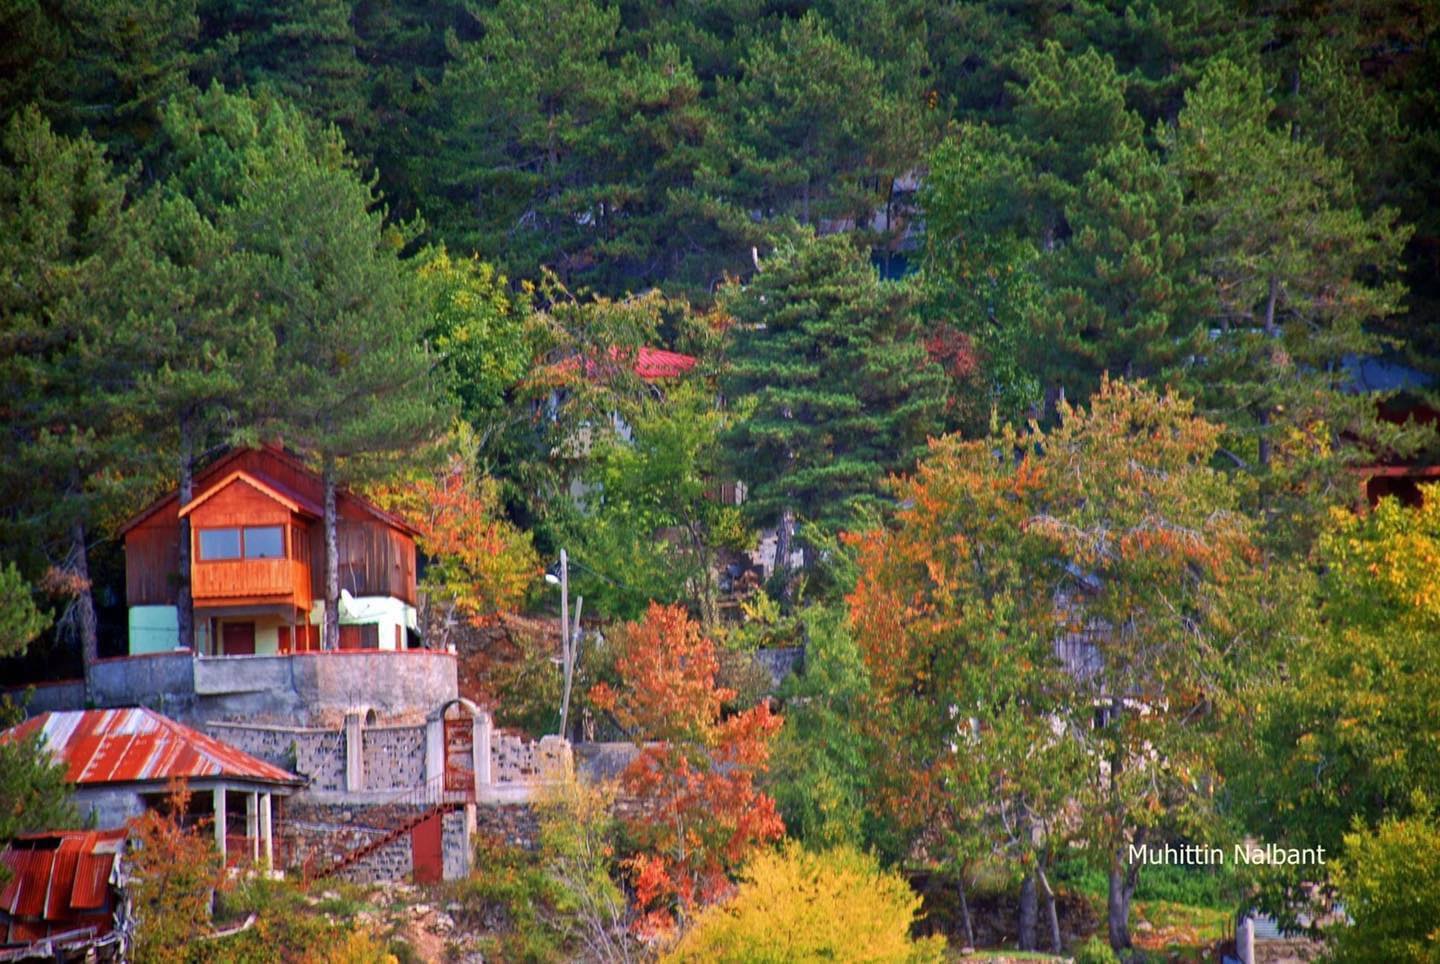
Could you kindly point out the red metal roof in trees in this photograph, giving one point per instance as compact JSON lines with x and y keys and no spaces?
{"x":658,"y":363}
{"x":650,"y":364}
{"x":139,"y":745}
{"x":58,"y":882}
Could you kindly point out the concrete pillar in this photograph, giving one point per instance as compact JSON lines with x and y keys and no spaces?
{"x":267,"y":830}
{"x":1245,"y":939}
{"x":354,"y":753}
{"x":482,"y":732}
{"x":252,"y":823}
{"x":220,"y":829}
{"x":434,"y":751}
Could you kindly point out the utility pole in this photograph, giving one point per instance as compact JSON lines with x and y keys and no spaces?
{"x":564,"y":637}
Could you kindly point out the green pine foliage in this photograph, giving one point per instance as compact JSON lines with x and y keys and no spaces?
{"x":834,"y":386}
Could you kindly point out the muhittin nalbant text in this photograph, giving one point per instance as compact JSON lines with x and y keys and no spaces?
{"x":1241,"y":853}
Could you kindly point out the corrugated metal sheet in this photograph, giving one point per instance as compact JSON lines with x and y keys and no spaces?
{"x":139,"y":745}
{"x":58,"y":882}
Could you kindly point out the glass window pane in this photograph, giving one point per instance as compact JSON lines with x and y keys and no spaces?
{"x":219,"y":544}
{"x":264,"y":542}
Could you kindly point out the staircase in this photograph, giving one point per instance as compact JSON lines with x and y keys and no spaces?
{"x":400,"y":815}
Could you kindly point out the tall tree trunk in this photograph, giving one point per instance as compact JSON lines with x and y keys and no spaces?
{"x":184,"y":601}
{"x":1051,"y":912}
{"x":965,"y":911}
{"x":1117,"y":902}
{"x":784,"y":539}
{"x":83,"y":607}
{"x":1271,"y":331}
{"x":330,"y":630}
{"x":1029,"y":913}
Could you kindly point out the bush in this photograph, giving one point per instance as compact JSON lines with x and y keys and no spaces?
{"x":797,"y":905}
{"x":510,"y":896}
{"x":1096,"y":950}
{"x":1389,"y":882}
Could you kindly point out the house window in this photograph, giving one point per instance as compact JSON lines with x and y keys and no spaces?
{"x":219,"y":544}
{"x":264,"y":542}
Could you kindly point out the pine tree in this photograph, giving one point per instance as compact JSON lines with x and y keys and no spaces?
{"x":1295,"y":272}
{"x":355,"y":387}
{"x":68,"y":246}
{"x":207,"y":352}
{"x":815,"y":130}
{"x":832,"y":383}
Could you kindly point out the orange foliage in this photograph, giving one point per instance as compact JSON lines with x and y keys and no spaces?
{"x":480,"y":562}
{"x":701,"y":814}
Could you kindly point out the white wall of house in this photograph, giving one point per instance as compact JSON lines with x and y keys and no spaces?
{"x":392,"y":616}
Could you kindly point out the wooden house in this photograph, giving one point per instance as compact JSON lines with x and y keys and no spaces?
{"x":257,"y":563}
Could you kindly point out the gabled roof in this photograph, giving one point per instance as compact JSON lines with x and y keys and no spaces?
{"x":59,"y":882}
{"x":220,"y":466}
{"x":138,"y":745}
{"x":268,"y":487}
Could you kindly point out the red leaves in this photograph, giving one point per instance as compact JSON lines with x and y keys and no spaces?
{"x":700,"y":812}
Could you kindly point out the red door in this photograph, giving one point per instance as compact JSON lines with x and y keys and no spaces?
{"x":238,"y":639}
{"x":427,"y":858}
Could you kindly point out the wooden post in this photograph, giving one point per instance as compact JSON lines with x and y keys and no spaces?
{"x":220,"y":829}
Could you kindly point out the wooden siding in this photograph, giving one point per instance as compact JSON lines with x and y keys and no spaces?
{"x":238,"y":504}
{"x":373,"y":559}
{"x":152,"y":562}
{"x":251,"y":578}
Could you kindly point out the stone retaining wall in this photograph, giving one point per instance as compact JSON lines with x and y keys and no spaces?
{"x":314,"y":754}
{"x":394,"y":757}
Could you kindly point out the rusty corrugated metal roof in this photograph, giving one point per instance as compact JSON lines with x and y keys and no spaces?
{"x":58,"y":882}
{"x":139,"y":745}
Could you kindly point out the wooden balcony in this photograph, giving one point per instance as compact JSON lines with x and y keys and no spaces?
{"x":233,"y":579}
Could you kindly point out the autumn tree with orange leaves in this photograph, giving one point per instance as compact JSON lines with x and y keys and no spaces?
{"x":1090,"y":591}
{"x":701,"y":814}
{"x":478,"y":562}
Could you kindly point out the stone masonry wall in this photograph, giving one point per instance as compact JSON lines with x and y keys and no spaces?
{"x":455,"y":845}
{"x":512,"y":824}
{"x":324,"y":832}
{"x":394,"y":757}
{"x":318,"y":755}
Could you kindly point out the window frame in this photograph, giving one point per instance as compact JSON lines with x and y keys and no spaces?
{"x":277,"y":528}
{"x":203,"y":556}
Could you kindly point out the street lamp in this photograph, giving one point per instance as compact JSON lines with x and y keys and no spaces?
{"x":569,"y":637}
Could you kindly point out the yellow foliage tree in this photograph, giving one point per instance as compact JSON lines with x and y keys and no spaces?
{"x":796,"y":905}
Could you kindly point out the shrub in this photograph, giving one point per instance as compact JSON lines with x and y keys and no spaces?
{"x":1095,"y":950}
{"x":798,"y":905}
{"x":1389,"y":882}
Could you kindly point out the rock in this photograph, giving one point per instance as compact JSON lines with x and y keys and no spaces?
{"x":1144,"y":926}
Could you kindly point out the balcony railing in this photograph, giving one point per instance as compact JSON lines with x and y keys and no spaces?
{"x":236,"y":578}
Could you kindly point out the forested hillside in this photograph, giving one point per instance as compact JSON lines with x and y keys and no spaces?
{"x":1051,"y":350}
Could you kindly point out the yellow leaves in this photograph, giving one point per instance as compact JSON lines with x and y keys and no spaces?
{"x":801,"y":906}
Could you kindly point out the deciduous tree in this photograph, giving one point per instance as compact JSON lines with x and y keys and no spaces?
{"x":701,"y":813}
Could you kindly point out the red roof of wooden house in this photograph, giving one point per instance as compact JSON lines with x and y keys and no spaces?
{"x":59,"y":883}
{"x":137,"y":745}
{"x":253,"y":464}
